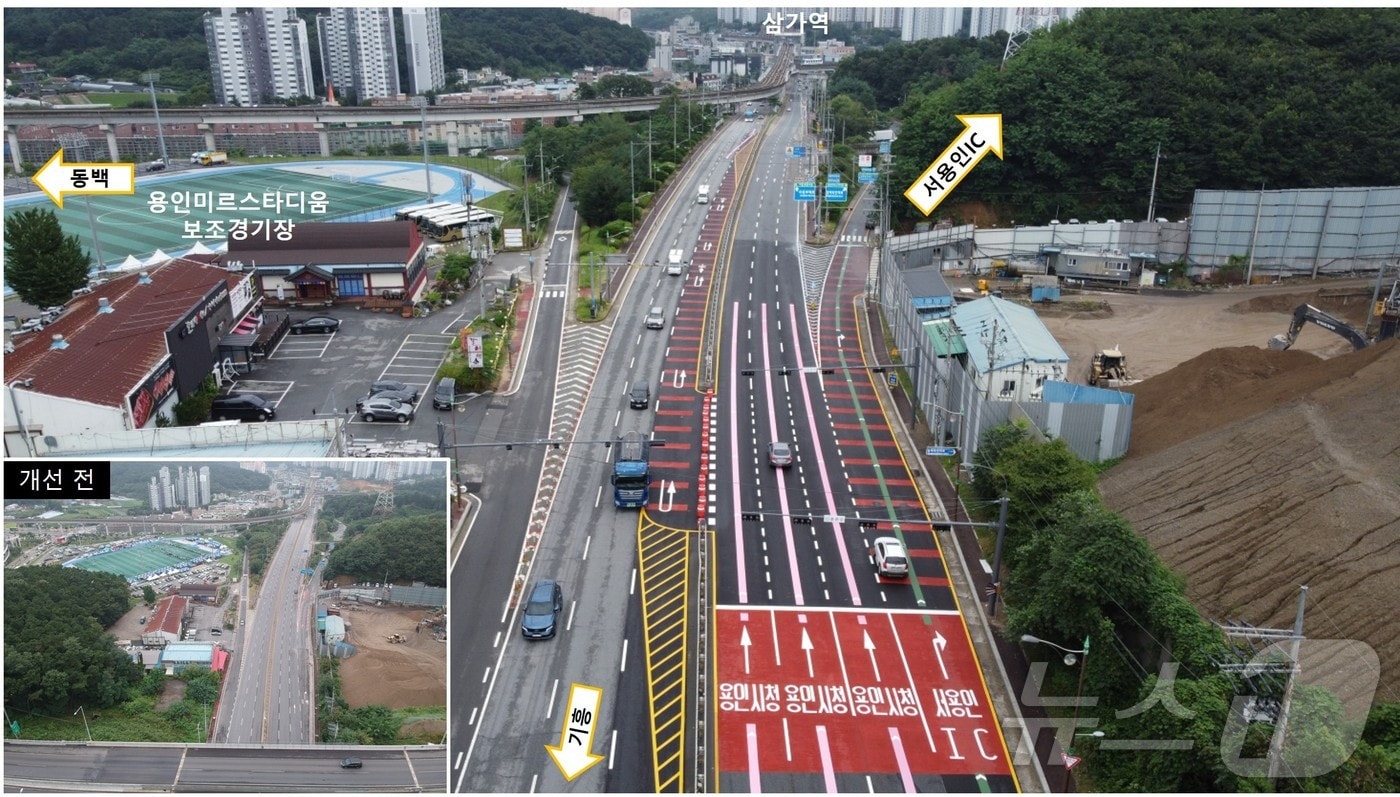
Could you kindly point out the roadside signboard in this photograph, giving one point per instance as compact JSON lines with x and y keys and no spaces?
{"x":804,"y":192}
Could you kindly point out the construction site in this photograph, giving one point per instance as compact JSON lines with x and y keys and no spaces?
{"x":1265,"y":448}
{"x":400,"y":658}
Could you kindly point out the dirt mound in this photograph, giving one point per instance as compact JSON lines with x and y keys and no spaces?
{"x":1351,"y":305}
{"x":1223,"y":386}
{"x":1255,"y":472}
{"x":397,"y":675}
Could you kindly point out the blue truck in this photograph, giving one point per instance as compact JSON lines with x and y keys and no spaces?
{"x":631,"y":477}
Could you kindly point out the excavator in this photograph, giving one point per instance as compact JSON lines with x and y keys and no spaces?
{"x":1388,"y":311}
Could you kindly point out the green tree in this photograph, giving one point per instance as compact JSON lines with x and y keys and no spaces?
{"x":43,"y":265}
{"x":622,"y":86}
{"x":148,"y":594}
{"x":459,"y":270}
{"x":374,"y":724}
{"x":599,"y":187}
{"x":56,"y":652}
{"x":850,"y":119}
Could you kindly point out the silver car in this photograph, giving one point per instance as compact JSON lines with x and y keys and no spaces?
{"x":386,"y":409}
{"x":656,"y":318}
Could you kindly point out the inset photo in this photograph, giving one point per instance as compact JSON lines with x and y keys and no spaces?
{"x":221,"y":624}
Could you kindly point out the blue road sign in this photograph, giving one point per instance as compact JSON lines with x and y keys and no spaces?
{"x":868,"y":176}
{"x":833,"y":177}
{"x":884,"y":147}
{"x":939,"y":451}
{"x":799,"y":151}
{"x":804,"y":192}
{"x":836,"y":192}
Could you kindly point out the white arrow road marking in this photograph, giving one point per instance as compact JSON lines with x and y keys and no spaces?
{"x":745,"y":642}
{"x":939,"y":644}
{"x":807,"y":646}
{"x":870,"y":647}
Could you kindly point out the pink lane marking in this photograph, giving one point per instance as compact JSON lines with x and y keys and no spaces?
{"x":734,"y":461}
{"x":904,"y":773}
{"x":782,"y":481}
{"x":755,"y":786}
{"x":828,"y":771}
{"x":821,"y":465}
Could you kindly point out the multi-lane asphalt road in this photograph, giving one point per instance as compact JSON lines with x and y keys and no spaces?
{"x":269,"y":695}
{"x":737,"y":629}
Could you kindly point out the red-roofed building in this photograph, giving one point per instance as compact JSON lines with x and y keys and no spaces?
{"x":167,"y":622}
{"x":121,"y":356}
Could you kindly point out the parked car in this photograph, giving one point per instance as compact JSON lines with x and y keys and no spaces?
{"x":779,"y":454}
{"x":656,"y":318}
{"x":401,"y":396}
{"x":542,"y":610}
{"x":242,"y":407}
{"x":890,"y":559}
{"x":446,"y":393}
{"x":390,"y":384}
{"x":385,"y":409}
{"x":321,"y":323}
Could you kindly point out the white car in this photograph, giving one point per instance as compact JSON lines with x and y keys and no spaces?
{"x":656,"y":318}
{"x":890,"y":559}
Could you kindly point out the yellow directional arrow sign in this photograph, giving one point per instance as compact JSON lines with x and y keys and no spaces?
{"x":57,"y":178}
{"x":981,"y":134}
{"x":574,"y":755}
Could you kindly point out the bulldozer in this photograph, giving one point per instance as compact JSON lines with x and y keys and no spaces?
{"x":395,"y":639}
{"x":1109,"y":369}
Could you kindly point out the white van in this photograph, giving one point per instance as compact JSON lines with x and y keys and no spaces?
{"x":675,"y":265}
{"x":704,"y":196}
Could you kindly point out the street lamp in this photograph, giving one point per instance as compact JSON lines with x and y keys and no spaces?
{"x":85,"y":723}
{"x":1070,"y":657}
{"x":151,"y":78}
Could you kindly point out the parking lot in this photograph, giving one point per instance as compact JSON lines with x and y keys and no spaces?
{"x":320,"y":375}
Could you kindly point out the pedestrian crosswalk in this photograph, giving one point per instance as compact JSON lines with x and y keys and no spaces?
{"x":854,"y":238}
{"x":553,"y":292}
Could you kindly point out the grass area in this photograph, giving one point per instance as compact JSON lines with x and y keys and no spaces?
{"x":408,"y":716}
{"x":584,"y":308}
{"x":133,"y":721}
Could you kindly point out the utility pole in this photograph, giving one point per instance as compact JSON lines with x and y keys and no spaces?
{"x":996,"y":557}
{"x":1281,"y":724}
{"x":1152,"y":195}
{"x":525,"y":183}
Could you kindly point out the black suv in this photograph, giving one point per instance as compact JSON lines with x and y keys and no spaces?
{"x":639,"y":398}
{"x":243,"y":407}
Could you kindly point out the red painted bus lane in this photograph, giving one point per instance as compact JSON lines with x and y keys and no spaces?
{"x":847,"y":692}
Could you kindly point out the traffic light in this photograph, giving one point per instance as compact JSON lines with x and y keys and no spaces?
{"x":828,"y":370}
{"x":802,"y":520}
{"x":749,"y":516}
{"x":866,"y":524}
{"x":746,"y":372}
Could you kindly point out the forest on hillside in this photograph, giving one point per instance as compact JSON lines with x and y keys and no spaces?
{"x":1236,"y":99}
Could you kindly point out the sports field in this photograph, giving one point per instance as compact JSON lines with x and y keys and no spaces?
{"x":144,"y":558}
{"x":205,"y":205}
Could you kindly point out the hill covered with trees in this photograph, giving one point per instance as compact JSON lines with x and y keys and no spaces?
{"x":56,"y":651}
{"x":409,"y":544}
{"x":1236,"y":98}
